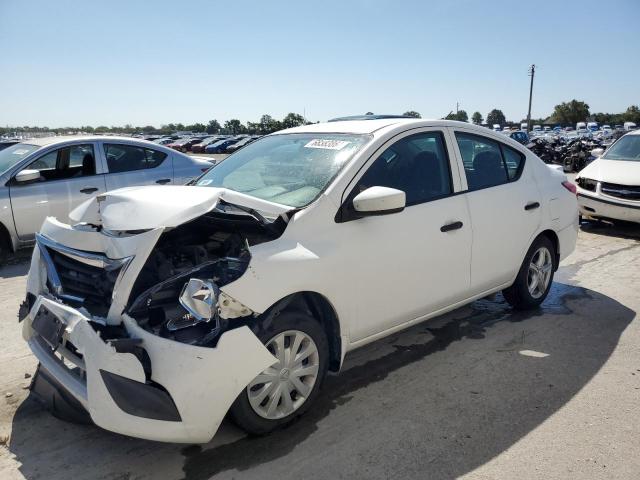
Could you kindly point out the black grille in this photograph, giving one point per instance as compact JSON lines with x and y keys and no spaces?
{"x":626,"y":192}
{"x":92,"y":286}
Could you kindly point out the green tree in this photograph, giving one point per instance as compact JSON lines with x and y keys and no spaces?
{"x":477,"y":118}
{"x":369,"y":113}
{"x":412,"y":113}
{"x":460,"y":116}
{"x":292,"y":120}
{"x":632,"y":114}
{"x":269,"y":125}
{"x":213,"y":126}
{"x":496,"y":116}
{"x":569,"y":113}
{"x":196,"y":127}
{"x":233,"y":126}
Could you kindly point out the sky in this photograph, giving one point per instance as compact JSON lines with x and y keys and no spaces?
{"x":71,"y":63}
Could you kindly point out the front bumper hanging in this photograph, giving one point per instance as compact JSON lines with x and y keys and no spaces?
{"x":182,"y":395}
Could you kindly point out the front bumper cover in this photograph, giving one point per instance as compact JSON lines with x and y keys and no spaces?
{"x":596,"y":206}
{"x":200,"y":383}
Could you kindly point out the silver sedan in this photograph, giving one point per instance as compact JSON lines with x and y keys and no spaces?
{"x":45,"y":177}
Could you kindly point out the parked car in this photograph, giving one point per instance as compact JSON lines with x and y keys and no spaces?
{"x":177,"y":144}
{"x":628,"y":126}
{"x":520,"y":136}
{"x":238,"y":145}
{"x":7,"y":143}
{"x":240,"y":293}
{"x":200,"y":147}
{"x":44,"y":177}
{"x":609,"y":187}
{"x":221,"y":145}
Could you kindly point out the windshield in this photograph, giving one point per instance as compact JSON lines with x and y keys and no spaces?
{"x":627,"y":148}
{"x":13,"y":154}
{"x":290,"y":169}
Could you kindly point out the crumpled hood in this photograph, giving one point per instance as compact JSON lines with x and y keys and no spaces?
{"x":143,"y":208}
{"x":622,"y":172}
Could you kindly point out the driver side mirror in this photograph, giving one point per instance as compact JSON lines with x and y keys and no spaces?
{"x":27,"y":176}
{"x":379,"y":201}
{"x":597,"y":152}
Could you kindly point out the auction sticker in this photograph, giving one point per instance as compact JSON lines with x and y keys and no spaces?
{"x":327,"y":144}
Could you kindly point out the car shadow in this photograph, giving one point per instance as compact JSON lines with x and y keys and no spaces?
{"x":626,"y":230}
{"x":16,"y":265}
{"x":486,"y":376}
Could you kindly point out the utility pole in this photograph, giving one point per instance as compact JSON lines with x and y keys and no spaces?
{"x":532,"y":72}
{"x":457,"y":106}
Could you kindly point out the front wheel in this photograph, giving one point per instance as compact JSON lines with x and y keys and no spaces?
{"x":535,"y":276}
{"x":285,"y":390}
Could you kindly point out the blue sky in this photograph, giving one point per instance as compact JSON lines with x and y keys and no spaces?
{"x":152,"y":62}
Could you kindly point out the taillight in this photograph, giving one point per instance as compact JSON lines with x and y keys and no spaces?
{"x":570,"y":186}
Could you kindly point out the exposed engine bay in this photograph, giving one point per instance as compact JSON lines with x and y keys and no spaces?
{"x":209,"y":252}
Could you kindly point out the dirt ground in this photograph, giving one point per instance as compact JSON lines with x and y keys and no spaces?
{"x":480,"y":393}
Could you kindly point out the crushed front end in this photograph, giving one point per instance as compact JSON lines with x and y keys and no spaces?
{"x":134,"y":328}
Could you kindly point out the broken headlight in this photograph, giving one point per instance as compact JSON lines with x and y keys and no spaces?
{"x":185,"y":307}
{"x":587,"y":184}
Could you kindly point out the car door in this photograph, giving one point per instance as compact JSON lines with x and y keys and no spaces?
{"x":504,"y":202}
{"x":68,"y":176}
{"x":130,"y":165}
{"x":407,"y":264}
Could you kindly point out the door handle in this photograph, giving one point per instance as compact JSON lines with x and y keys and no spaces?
{"x":451,"y":226}
{"x":531,"y":206}
{"x":89,"y":190}
{"x":162,"y":181}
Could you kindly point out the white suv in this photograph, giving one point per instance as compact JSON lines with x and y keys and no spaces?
{"x":161,"y":309}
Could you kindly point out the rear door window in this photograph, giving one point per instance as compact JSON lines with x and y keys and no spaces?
{"x":488,"y":163}
{"x":127,"y":158}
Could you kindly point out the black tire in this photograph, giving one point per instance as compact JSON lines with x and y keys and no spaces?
{"x":518,"y":294}
{"x":5,"y":249}
{"x":242,"y":412}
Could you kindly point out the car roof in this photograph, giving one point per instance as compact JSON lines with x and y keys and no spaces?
{"x":371,"y":126}
{"x":46,"y":141}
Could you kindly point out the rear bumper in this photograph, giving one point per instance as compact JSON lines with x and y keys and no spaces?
{"x":599,"y":207}
{"x":181,"y":395}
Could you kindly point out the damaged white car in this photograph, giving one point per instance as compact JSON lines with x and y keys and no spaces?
{"x":162,"y":309}
{"x":609,"y":187}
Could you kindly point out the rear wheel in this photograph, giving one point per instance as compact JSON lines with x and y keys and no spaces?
{"x":285,"y":390}
{"x":535,"y":276}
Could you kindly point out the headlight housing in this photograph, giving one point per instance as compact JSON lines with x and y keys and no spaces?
{"x":587,"y":184}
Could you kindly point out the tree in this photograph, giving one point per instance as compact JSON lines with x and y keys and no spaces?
{"x":213,"y":126}
{"x":569,"y":113}
{"x":233,"y":126}
{"x":632,"y":114}
{"x":460,"y":116}
{"x":369,"y":113}
{"x":196,"y":127}
{"x":496,"y":117}
{"x":292,"y":120}
{"x":477,"y":118}
{"x":269,"y":125}
{"x":412,"y":113}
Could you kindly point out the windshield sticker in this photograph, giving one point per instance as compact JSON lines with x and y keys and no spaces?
{"x":327,"y":144}
{"x":20,"y":151}
{"x":205,"y":182}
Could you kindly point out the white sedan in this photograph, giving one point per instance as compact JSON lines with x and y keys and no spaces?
{"x":609,"y":187}
{"x":172,"y":306}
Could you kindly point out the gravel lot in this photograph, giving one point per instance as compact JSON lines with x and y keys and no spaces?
{"x":480,"y":393}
